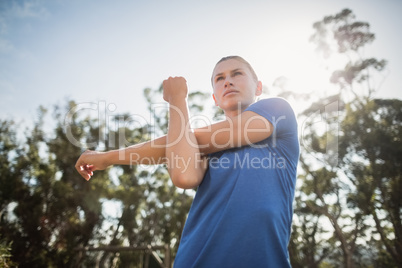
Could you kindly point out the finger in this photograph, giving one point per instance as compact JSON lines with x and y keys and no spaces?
{"x":91,"y":167}
{"x":85,"y":173}
{"x":89,"y":170}
{"x":80,"y":170}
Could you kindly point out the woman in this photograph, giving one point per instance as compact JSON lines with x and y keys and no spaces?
{"x":244,"y":168}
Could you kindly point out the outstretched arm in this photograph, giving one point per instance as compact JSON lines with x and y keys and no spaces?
{"x":245,"y":129}
{"x":146,"y":153}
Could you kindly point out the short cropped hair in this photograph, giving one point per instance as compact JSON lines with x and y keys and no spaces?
{"x":238,"y":58}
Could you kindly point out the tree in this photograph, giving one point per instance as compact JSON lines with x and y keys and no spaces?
{"x":342,"y":34}
{"x":48,"y":211}
{"x":371,"y":150}
{"x":334,"y":171}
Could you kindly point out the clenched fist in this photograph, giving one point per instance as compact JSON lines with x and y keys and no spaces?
{"x":90,"y":161}
{"x":174,"y":87}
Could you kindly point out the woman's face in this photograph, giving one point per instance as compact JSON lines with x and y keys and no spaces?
{"x":234,"y":86}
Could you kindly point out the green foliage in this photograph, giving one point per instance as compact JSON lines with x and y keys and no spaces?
{"x":341,"y":34}
{"x":347,"y":205}
{"x":349,"y":193}
{"x":355,"y":71}
{"x":5,"y":255}
{"x":374,"y":168}
{"x":48,"y":211}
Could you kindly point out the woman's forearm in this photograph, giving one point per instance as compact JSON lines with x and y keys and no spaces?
{"x":244,"y":130}
{"x":184,"y":161}
{"x":216,"y":137}
{"x":147,"y":153}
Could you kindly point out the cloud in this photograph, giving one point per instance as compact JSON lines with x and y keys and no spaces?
{"x":24,"y":9}
{"x":12,"y":13}
{"x":6,"y":46}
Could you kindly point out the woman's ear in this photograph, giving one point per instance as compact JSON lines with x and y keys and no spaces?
{"x":216,"y":103}
{"x":258,"y":90}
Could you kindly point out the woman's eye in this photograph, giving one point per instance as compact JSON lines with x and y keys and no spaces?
{"x":237,"y":73}
{"x":219,"y":78}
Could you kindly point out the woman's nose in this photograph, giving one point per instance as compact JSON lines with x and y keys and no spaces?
{"x":228,"y":82}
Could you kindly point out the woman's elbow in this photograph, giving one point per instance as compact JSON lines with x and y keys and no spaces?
{"x":185,"y":181}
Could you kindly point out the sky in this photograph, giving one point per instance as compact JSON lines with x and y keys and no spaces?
{"x":109,"y":51}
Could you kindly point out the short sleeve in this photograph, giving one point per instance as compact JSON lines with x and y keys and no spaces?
{"x":278,"y":112}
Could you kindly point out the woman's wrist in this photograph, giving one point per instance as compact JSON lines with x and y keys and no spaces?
{"x":110,"y":158}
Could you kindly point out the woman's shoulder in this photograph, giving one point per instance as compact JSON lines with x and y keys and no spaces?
{"x":272,"y":103}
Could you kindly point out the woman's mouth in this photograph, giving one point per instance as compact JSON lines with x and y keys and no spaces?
{"x":230,"y":92}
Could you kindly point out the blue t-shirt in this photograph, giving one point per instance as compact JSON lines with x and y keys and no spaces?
{"x":242,"y":212}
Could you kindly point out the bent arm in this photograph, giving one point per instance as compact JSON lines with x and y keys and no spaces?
{"x":185,"y":165}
